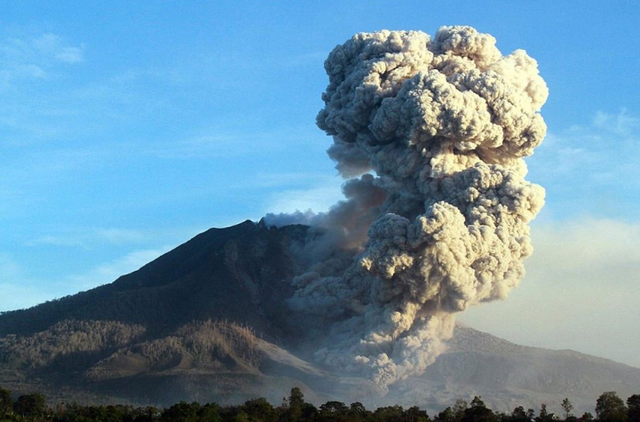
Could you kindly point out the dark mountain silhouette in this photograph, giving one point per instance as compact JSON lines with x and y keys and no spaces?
{"x":208,"y":322}
{"x":240,"y":273}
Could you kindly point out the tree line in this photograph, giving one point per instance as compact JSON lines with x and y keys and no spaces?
{"x":33,"y":408}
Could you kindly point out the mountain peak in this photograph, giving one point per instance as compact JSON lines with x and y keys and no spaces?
{"x":241,"y":273}
{"x":208,"y":321}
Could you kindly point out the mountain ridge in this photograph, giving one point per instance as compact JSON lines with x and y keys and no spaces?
{"x":198,"y":267}
{"x":208,"y":321}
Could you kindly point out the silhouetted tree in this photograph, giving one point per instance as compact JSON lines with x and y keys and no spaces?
{"x":210,"y":413}
{"x":181,"y":412}
{"x":567,"y":407}
{"x":544,"y":415}
{"x":478,"y":412}
{"x":333,"y":410}
{"x":6,"y":402}
{"x":296,"y":397}
{"x":32,"y":408}
{"x":295,"y":406}
{"x":446,"y":415}
{"x":242,"y":417}
{"x":459,"y":407}
{"x":415,"y":414}
{"x":633,"y":408}
{"x":520,"y":415}
{"x":151,"y":414}
{"x":229,"y":413}
{"x":611,"y":408}
{"x":357,"y":408}
{"x":389,"y":414}
{"x":586,"y":417}
{"x":356,"y":413}
{"x":309,"y":412}
{"x":260,"y":410}
{"x":31,"y":405}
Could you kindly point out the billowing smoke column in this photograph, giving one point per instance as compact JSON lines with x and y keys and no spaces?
{"x":443,"y":125}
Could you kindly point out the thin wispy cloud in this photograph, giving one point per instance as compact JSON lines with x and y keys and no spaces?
{"x":291,"y":61}
{"x":288,"y":179}
{"x":110,"y":271}
{"x":232,"y":142}
{"x":21,"y":296}
{"x":607,"y":147}
{"x":24,"y":57}
{"x":8,"y":267}
{"x":18,"y":289}
{"x":591,"y":169}
{"x":87,"y":238}
{"x":28,"y":177}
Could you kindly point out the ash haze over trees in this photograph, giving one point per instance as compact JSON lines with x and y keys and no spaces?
{"x":126,"y":129}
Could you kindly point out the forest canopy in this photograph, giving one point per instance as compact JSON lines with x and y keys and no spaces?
{"x":33,"y":408}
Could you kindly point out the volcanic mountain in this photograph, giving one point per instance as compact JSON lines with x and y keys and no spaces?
{"x":209,"y":321}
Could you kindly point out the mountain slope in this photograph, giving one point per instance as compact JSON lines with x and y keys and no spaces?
{"x":240,"y":273}
{"x":507,"y":375}
{"x":208,"y":322}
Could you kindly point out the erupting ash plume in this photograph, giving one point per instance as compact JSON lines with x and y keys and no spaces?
{"x":432,"y":133}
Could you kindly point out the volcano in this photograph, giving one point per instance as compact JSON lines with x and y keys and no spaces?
{"x":209,"y":321}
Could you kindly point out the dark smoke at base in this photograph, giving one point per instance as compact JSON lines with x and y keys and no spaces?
{"x":443,"y":125}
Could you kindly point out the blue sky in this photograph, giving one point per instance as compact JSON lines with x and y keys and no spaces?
{"x":128,"y":127}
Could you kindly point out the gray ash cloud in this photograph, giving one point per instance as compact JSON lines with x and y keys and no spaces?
{"x":431,"y":135}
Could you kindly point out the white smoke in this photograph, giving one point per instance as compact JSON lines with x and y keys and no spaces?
{"x":443,"y":124}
